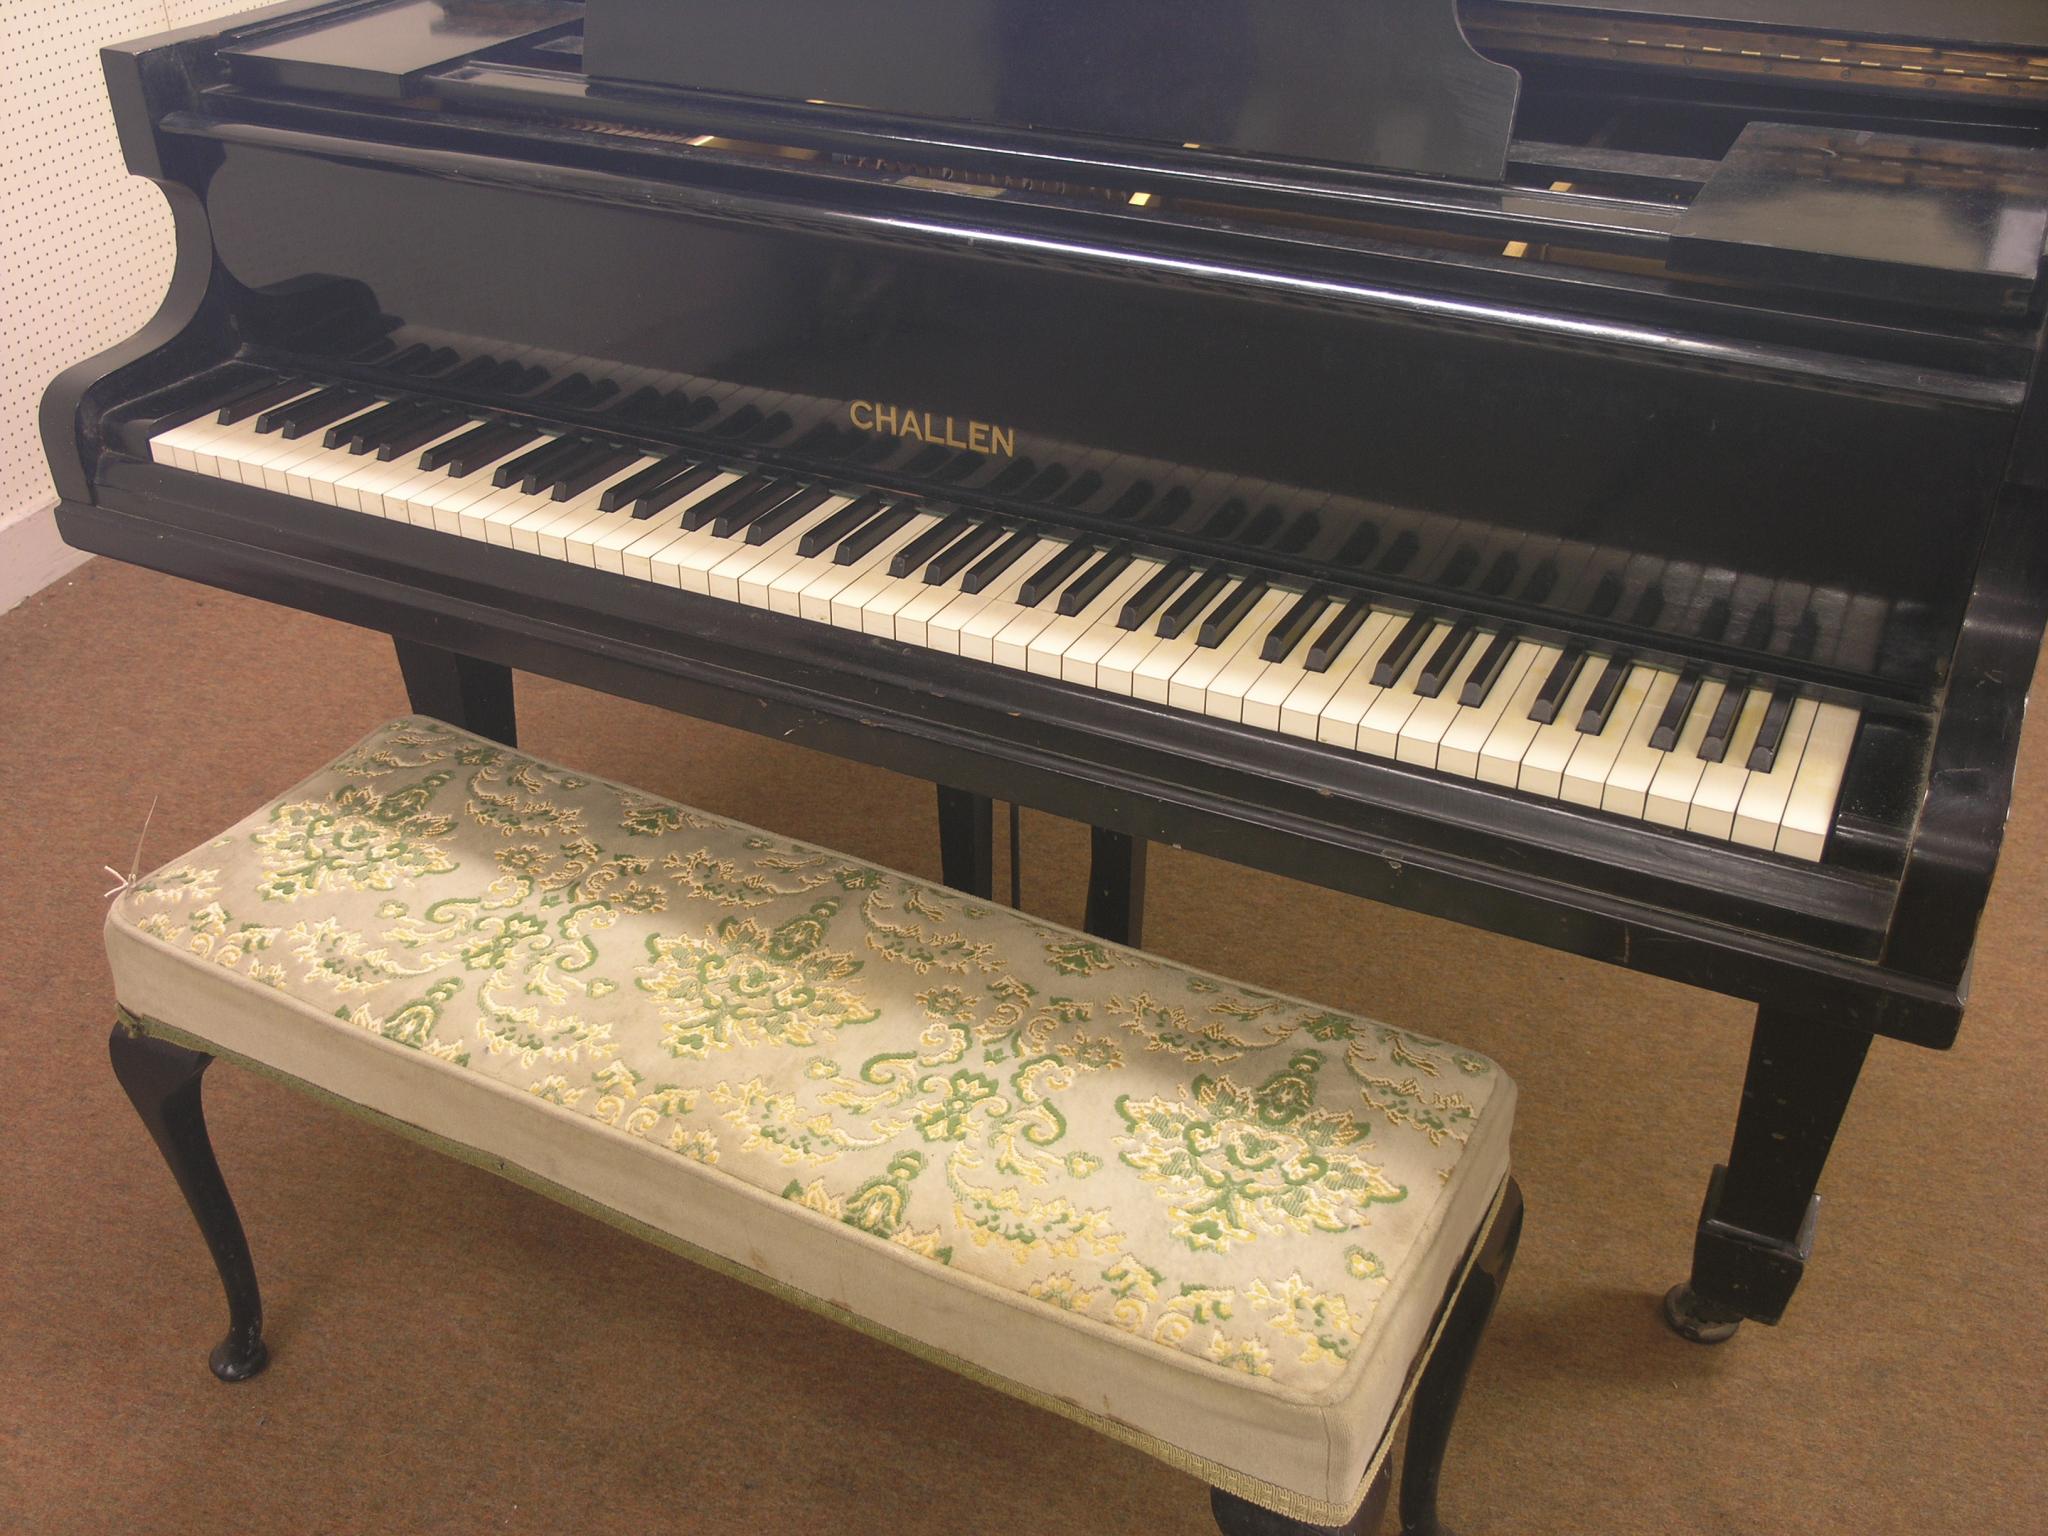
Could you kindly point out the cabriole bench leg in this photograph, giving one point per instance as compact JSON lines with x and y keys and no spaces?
{"x":162,"y":1082}
{"x":1443,"y":1379}
{"x":1429,"y":1419}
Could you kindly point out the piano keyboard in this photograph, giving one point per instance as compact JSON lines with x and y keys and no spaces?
{"x":1755,"y":765}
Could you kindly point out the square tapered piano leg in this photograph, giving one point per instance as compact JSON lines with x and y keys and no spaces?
{"x":461,"y":690}
{"x":1756,"y":1229}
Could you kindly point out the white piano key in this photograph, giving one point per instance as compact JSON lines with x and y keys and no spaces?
{"x":756,"y":585}
{"x":1466,"y":737}
{"x":1152,"y":677}
{"x":820,"y":600}
{"x":665,"y":531}
{"x":950,"y":623}
{"x":1046,"y":655}
{"x":1379,"y":728}
{"x":729,"y":573}
{"x":1720,"y":788}
{"x":1350,"y":704}
{"x":1593,"y":759}
{"x":1543,"y":764}
{"x":1670,"y":794}
{"x":874,"y":583}
{"x":1263,"y":692}
{"x":1189,"y":687}
{"x":1422,"y":733}
{"x":1500,"y":759}
{"x":785,"y":586}
{"x":1225,"y":696}
{"x":1627,"y":787}
{"x":1810,"y":808}
{"x":1079,"y":662}
{"x":978,"y":633}
{"x":1761,"y":812}
{"x":1302,"y":713}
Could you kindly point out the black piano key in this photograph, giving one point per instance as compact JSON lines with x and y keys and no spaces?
{"x":1459,"y":568}
{"x":1649,"y":607}
{"x":778,"y":521}
{"x":478,"y":373}
{"x":1671,"y":724}
{"x":1600,"y":702}
{"x":1551,"y":696}
{"x":441,"y":454}
{"x":1714,"y":624}
{"x":1606,"y":596}
{"x":962,"y":466}
{"x":1011,"y":477}
{"x":951,"y":562}
{"x":633,"y":487}
{"x":644,"y":404}
{"x":420,"y":431}
{"x":998,"y":560}
{"x":440,"y":360}
{"x":366,"y":433}
{"x":674,"y":489}
{"x":1542,"y":581}
{"x":565,"y":451}
{"x":1487,"y":669}
{"x":723,"y":500}
{"x":1714,"y":746}
{"x":1052,"y":575}
{"x":1407,"y":643}
{"x":1805,"y":636}
{"x":1044,"y":483}
{"x":1756,"y":635}
{"x":294,"y":421}
{"x":578,"y":392}
{"x":1294,"y":623}
{"x":548,"y":478}
{"x":1264,"y":524}
{"x":1445,"y":659}
{"x":864,"y":539}
{"x":1224,"y":618}
{"x":1337,"y":633}
{"x":1091,"y":583}
{"x":741,"y":515}
{"x":258,"y":398}
{"x":516,"y":469}
{"x":1190,"y":604}
{"x":926,"y":460}
{"x":474,"y":455}
{"x":1770,"y":735}
{"x":1301,"y":532}
{"x":1226,"y":519}
{"x":836,"y":527}
{"x":1144,"y":602}
{"x":595,"y":471}
{"x":933,"y":541}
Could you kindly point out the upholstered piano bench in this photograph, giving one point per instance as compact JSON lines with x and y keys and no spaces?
{"x":1230,"y":1228}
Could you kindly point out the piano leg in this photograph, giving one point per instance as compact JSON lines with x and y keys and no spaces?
{"x":1756,"y":1228}
{"x":1116,"y":887}
{"x":476,"y":695}
{"x":162,"y":1081}
{"x":967,"y":841}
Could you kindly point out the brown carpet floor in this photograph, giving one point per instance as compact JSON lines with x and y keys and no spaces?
{"x":453,"y":1354}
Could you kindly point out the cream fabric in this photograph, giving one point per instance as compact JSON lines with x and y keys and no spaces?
{"x":1219,"y":1217}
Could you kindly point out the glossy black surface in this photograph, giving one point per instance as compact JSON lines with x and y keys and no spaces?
{"x":2006,"y":23}
{"x":1383,"y":84}
{"x":1953,"y":224}
{"x":384,"y":48}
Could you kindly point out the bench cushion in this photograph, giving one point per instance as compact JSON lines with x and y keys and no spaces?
{"x":1213,"y":1220}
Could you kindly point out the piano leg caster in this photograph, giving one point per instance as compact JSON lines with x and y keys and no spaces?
{"x":162,"y":1082}
{"x":1692,"y":1316}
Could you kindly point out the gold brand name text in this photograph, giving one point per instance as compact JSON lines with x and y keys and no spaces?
{"x":926,"y":427}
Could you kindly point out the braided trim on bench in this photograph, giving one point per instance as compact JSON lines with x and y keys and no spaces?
{"x":1257,"y":1491}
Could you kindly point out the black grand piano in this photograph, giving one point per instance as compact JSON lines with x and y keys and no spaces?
{"x":1577,"y":469}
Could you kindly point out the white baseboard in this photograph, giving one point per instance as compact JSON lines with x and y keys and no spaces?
{"x":32,"y":556}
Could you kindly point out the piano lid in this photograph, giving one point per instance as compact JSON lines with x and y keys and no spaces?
{"x":1975,"y":23}
{"x":1390,"y":84}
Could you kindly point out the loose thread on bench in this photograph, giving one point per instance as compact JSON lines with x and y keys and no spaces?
{"x":135,"y":865}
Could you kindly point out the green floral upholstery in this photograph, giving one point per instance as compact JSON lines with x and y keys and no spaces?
{"x":1212,"y":1219}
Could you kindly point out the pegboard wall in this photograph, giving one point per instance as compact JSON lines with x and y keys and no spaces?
{"x":85,"y":251}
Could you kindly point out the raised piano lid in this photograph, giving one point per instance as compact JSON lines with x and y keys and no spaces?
{"x":1390,"y":84}
{"x":1974,"y":23}
{"x":384,"y":50}
{"x":1882,"y":215}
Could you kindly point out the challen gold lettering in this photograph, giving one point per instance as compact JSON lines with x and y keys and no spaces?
{"x":925,"y":427}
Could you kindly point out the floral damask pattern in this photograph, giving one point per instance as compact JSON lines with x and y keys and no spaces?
{"x":1207,"y":1168}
